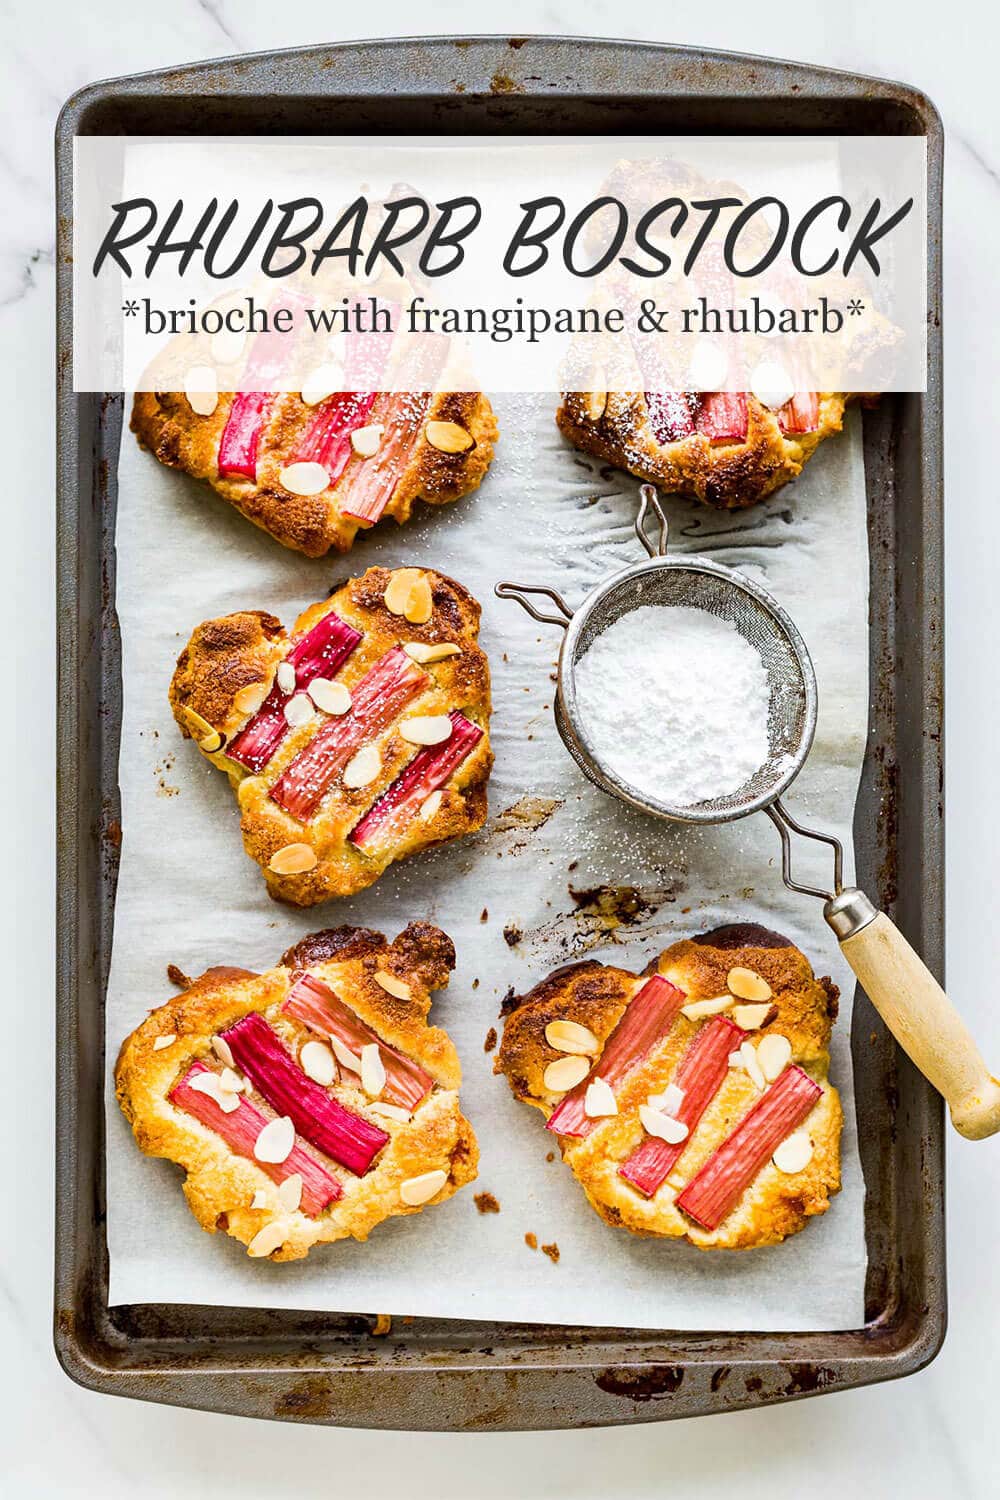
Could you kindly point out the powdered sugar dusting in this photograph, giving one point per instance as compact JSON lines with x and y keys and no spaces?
{"x":675,"y":702}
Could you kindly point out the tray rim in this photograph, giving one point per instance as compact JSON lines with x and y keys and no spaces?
{"x":640,"y":1387}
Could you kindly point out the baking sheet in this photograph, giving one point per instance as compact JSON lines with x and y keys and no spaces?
{"x":514,"y":898}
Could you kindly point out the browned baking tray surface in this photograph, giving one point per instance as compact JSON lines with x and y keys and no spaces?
{"x":433,"y":1373}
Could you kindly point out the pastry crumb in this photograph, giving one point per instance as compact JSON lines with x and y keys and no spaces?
{"x":177,"y":976}
{"x":491,"y":1039}
{"x":512,"y":935}
{"x":486,"y":1203}
{"x":531,"y":1240}
{"x":381,"y":1326}
{"x":552,"y":1251}
{"x":550,"y":1156}
{"x":484,"y":915}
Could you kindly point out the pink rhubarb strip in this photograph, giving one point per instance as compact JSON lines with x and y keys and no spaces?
{"x":429,"y":769}
{"x":722,"y":416}
{"x":240,"y":441}
{"x":240,"y":1129}
{"x":647,"y":1018}
{"x":801,"y":413}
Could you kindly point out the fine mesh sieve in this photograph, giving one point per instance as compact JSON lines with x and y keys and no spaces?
{"x":907,"y":995}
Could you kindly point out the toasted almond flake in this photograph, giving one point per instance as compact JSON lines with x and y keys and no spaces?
{"x":250,"y":698}
{"x":227,"y":345}
{"x":363,"y":768}
{"x":202,"y":390}
{"x":669,"y":1102}
{"x":304,"y":479}
{"x":735,"y":1060}
{"x":746,"y":984}
{"x":599,"y":1100}
{"x":293,"y":859}
{"x":197,"y":726}
{"x":276,"y":1140}
{"x":748,"y":1056}
{"x":419,"y":651}
{"x":392,"y":985}
{"x":753,"y":1017}
{"x":565,"y":1073}
{"x":211,"y":743}
{"x":397,"y":590}
{"x":347,"y":1059}
{"x":208,"y":1084}
{"x":390,"y":1112}
{"x":418,"y":1190}
{"x":317,"y":1062}
{"x":449,"y":437}
{"x":285,"y":678}
{"x":321,"y":383}
{"x":298,"y":710}
{"x":771,"y":383}
{"x":676,"y":1181}
{"x":429,"y":806}
{"x":795,"y":1152}
{"x":366,"y":440}
{"x":774,"y":1053}
{"x":664,"y":1127}
{"x":268,"y":1239}
{"x":259,"y":1199}
{"x":708,"y":368}
{"x":223,"y":1051}
{"x":594,"y":404}
{"x":420,"y":603}
{"x":426,"y":729}
{"x":167,"y":1040}
{"x":290,"y":1192}
{"x":699,"y":1009}
{"x":331,"y":697}
{"x":372,"y":1070}
{"x":230,"y":1082}
{"x":570,"y":1036}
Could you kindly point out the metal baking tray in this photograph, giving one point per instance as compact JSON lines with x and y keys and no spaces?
{"x":441,"y":1374}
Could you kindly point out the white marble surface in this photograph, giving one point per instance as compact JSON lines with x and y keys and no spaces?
{"x":931,"y":1435}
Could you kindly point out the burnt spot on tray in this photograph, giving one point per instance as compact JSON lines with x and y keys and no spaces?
{"x":644,"y":1385}
{"x":742,"y":935}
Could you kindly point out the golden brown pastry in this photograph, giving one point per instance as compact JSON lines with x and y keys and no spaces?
{"x":309,"y":1103}
{"x":358,"y":738}
{"x":726,"y":449}
{"x":313,"y":476}
{"x":693,"y":1101}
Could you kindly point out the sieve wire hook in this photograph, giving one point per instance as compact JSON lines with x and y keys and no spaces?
{"x":519,"y":590}
{"x":649,"y":500}
{"x":783,"y":821}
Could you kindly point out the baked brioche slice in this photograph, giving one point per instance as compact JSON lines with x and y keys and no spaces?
{"x":692,"y":1102}
{"x":309,"y":1103}
{"x":358,"y":738}
{"x":726,"y":449}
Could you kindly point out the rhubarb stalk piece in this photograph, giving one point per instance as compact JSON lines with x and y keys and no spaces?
{"x":671,"y":414}
{"x":699,"y":1074}
{"x":648,"y":1016}
{"x":240,"y":441}
{"x":240,"y":1130}
{"x":315,"y":1003}
{"x":381,"y":694}
{"x":321,"y":652}
{"x":327,"y":439}
{"x":729,"y":1171}
{"x":722,"y":416}
{"x":344,"y":1136}
{"x":801,"y":413}
{"x":429,"y":769}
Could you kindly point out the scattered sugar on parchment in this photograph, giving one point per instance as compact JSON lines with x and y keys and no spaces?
{"x":675,"y":701}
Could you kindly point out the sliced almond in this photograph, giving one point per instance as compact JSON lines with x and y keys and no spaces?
{"x":298,"y":710}
{"x":748,"y":1057}
{"x":208,"y":1084}
{"x":304,"y":479}
{"x":347,"y":1059}
{"x":746,"y":984}
{"x":290,"y":1192}
{"x":448,"y":437}
{"x":795,"y":1152}
{"x":419,"y":651}
{"x":285,"y":678}
{"x":565,"y":1073}
{"x":426,"y":729}
{"x":753,"y":1017}
{"x":322,"y":383}
{"x":250,"y":698}
{"x":223,"y":1051}
{"x":420,"y":603}
{"x":372,"y":1070}
{"x":664,"y":1127}
{"x":366,"y":440}
{"x":418,"y":1190}
{"x":363,"y":768}
{"x":392,"y":985}
{"x":699,"y":1009}
{"x":202,"y":390}
{"x":331,"y":697}
{"x":259,"y":1199}
{"x":397,"y":590}
{"x":735,"y":1060}
{"x":594,"y":404}
{"x":268,"y":1239}
{"x":774,"y":1053}
{"x":276,"y":1141}
{"x":390,"y":1112}
{"x":227,"y":345}
{"x":570,"y":1036}
{"x":293,"y":859}
{"x":164,"y":1041}
{"x":211,"y":743}
{"x":669,"y":1102}
{"x":429,"y":806}
{"x":230,"y":1081}
{"x":197,"y":726}
{"x":599,"y":1101}
{"x":317,"y":1062}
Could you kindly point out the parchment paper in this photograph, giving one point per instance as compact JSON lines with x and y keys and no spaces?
{"x":188,"y":895}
